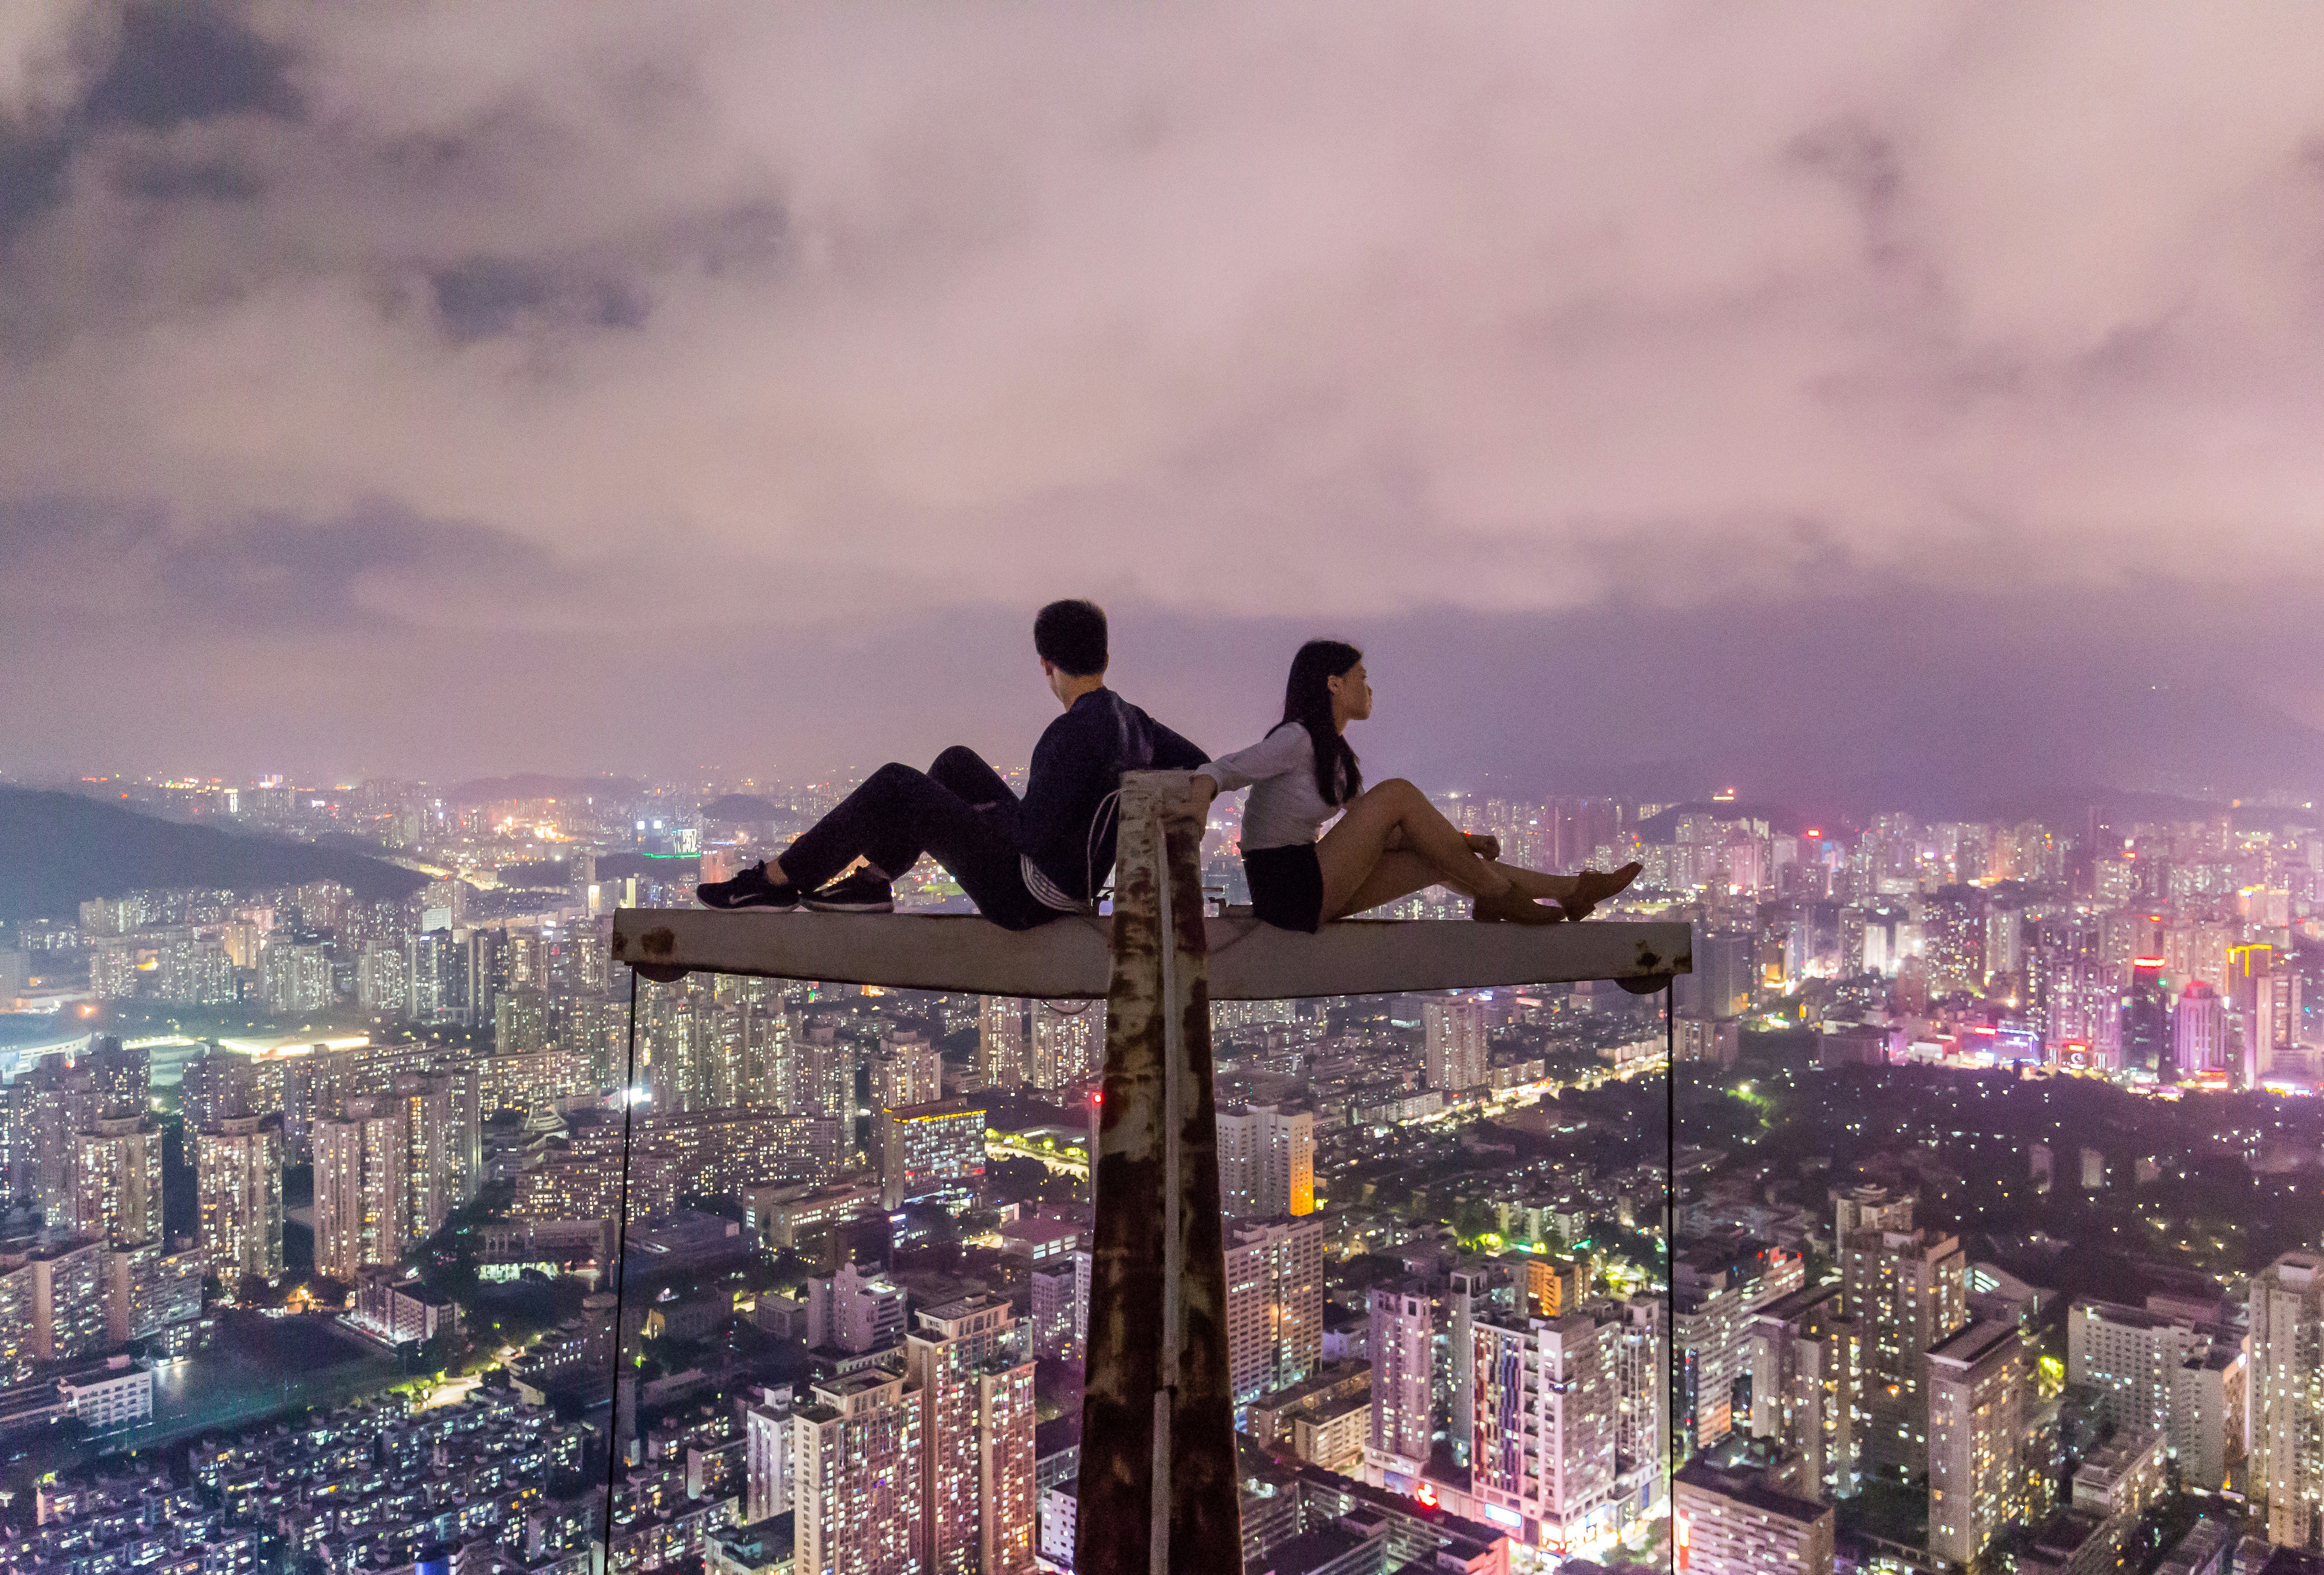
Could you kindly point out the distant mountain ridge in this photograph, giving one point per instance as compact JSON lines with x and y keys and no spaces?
{"x":58,"y":850}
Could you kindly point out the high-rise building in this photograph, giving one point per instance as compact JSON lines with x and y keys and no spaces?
{"x":1804,"y":1397}
{"x":2113,"y":1488}
{"x":854,"y":1311}
{"x":1553,"y":1286}
{"x":65,"y":1294}
{"x":1267,"y":1162}
{"x":999,"y":1041}
{"x":1082,"y":1265}
{"x":426,"y":1105}
{"x":362,"y":1188}
{"x":2005,"y":943}
{"x":1904,"y":1290}
{"x":238,"y":1189}
{"x":2209,"y":1409}
{"x":2254,"y":1009}
{"x":1068,"y":1043}
{"x":935,"y":1150}
{"x":1721,"y":983}
{"x":2084,"y":1012}
{"x":819,"y":1076}
{"x":2286,"y":1471}
{"x":2199,"y":1031}
{"x":1717,"y":1286}
{"x":1453,"y":1045}
{"x":729,"y":1151}
{"x":1977,"y":1390}
{"x":1275,"y":1304}
{"x":1735,"y":1523}
{"x":53,"y":1103}
{"x":767,"y":1454}
{"x":1710,"y":1039}
{"x":214,"y":1085}
{"x":1546,"y":1406}
{"x":435,"y":977}
{"x":975,"y":1380}
{"x":858,"y":1494}
{"x":767,"y":1027}
{"x":1057,"y":1311}
{"x":1870,"y":1208}
{"x":382,"y":976}
{"x":294,"y":976}
{"x":53,"y":1304}
{"x":2163,"y":1372}
{"x":118,"y":1180}
{"x":1642,"y":1385}
{"x":1954,"y":941}
{"x":148,"y":1290}
{"x":122,"y":1075}
{"x":2147,"y":1020}
{"x":1402,"y":1347}
{"x":1469,"y":1294}
{"x":907,"y":1070}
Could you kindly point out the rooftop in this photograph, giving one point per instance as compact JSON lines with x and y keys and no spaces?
{"x":1973,"y":1344}
{"x":1748,"y":1487}
{"x":1785,"y":1309}
{"x":2127,"y":1316}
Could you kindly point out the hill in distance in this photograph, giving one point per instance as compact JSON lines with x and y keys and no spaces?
{"x":58,"y":850}
{"x":748,"y":809}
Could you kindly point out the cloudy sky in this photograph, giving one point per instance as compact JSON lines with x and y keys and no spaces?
{"x":1807,"y":396}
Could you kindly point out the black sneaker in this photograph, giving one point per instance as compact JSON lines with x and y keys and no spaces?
{"x":861,"y":892}
{"x":749,"y":889}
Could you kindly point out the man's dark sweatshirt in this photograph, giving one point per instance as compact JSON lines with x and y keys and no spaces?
{"x":1078,"y":762}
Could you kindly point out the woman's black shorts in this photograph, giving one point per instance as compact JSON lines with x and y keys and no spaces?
{"x":1287,"y":885}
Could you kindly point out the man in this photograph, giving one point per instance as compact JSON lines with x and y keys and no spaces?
{"x":1023,"y":861}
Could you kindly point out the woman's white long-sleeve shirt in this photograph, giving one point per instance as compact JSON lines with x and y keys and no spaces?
{"x":1286,"y":807}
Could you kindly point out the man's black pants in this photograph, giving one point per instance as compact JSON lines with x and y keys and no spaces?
{"x":958,"y":811}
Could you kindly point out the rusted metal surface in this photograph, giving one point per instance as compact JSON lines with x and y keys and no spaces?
{"x":1157,"y":1479}
{"x":1072,"y":957}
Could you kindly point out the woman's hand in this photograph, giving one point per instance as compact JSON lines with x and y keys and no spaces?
{"x":1482,"y":846}
{"x":1199,"y":794}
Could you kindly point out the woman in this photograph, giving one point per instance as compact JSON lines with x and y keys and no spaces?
{"x":1390,"y":840}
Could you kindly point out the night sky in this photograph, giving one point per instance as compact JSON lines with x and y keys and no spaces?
{"x":1854,"y":399}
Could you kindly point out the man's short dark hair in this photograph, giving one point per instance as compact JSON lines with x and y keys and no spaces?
{"x":1071,"y":635}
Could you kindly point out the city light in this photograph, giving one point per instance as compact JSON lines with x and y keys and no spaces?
{"x":476,"y":1097}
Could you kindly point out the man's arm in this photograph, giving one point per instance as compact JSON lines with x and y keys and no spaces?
{"x":1172,"y":753}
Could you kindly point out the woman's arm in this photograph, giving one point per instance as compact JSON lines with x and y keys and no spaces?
{"x":1286,"y":748}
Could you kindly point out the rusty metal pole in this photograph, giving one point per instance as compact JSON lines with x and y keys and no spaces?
{"x":1157,"y":1454}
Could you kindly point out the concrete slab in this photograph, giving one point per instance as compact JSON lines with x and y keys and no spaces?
{"x":1071,"y":958}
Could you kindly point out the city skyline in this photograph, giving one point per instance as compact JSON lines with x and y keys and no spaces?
{"x":1827,"y":503}
{"x":1914,"y":1058}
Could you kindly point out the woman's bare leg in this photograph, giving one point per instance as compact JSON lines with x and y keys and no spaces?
{"x":1395,"y":812}
{"x":1534,"y":883}
{"x":1396,"y":874}
{"x":1399,"y":874}
{"x":1591,"y":887}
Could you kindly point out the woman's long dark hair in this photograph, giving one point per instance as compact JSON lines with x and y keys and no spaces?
{"x":1307,"y":700}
